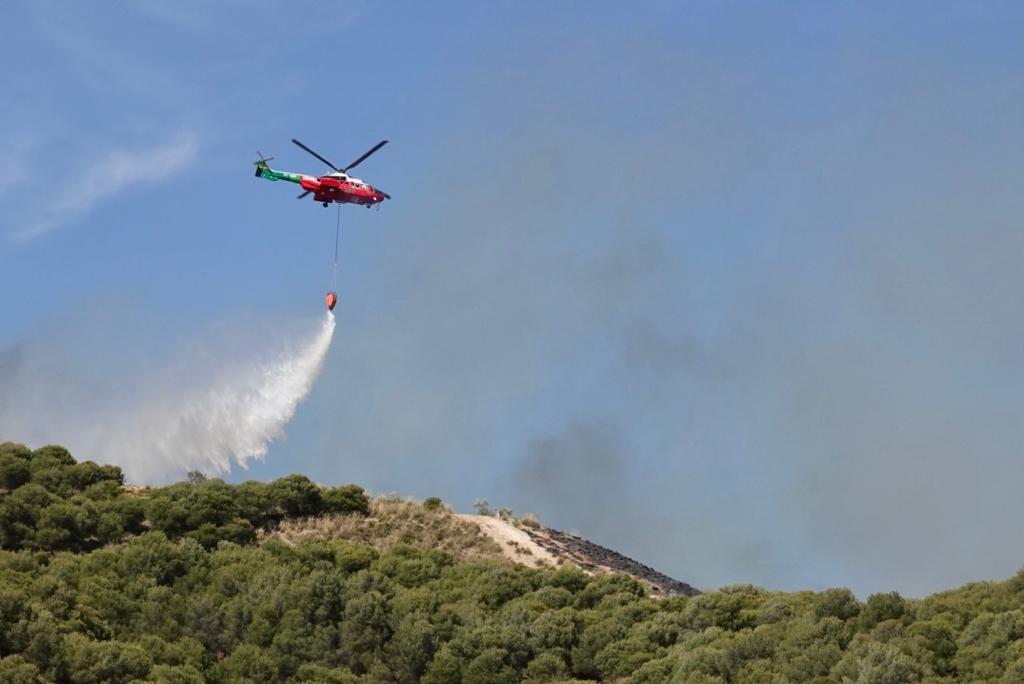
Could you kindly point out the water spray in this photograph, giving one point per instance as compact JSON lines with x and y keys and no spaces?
{"x":233,"y":420}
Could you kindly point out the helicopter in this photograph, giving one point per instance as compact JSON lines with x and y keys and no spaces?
{"x":331,"y":187}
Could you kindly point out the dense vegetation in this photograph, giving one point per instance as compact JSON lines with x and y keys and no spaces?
{"x":53,"y":503}
{"x":196,"y":582}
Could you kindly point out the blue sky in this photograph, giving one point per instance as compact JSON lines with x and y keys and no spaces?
{"x":730,"y":287}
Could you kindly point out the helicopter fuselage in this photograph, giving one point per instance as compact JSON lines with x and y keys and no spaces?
{"x":331,"y":187}
{"x":341,"y":189}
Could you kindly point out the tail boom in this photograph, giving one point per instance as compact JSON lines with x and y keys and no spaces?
{"x":264,"y":171}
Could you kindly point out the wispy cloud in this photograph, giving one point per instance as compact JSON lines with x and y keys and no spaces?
{"x":116,"y":172}
{"x":16,"y":172}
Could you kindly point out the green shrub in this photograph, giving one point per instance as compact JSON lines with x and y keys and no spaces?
{"x":546,"y":667}
{"x":296,"y":496}
{"x":880,"y":607}
{"x":489,"y":668}
{"x":346,"y":499}
{"x":15,"y":669}
{"x":14,"y":471}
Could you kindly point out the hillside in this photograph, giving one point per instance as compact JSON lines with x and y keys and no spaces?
{"x":390,"y":521}
{"x":536,"y":546}
{"x":288,"y":581}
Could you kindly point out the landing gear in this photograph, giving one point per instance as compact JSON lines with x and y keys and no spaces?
{"x":325,"y":204}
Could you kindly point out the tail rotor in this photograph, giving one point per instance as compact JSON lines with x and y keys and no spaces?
{"x":261,"y":163}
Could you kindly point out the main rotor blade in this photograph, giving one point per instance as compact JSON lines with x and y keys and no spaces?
{"x":359,"y":161}
{"x":304,"y":194}
{"x":316,"y":155}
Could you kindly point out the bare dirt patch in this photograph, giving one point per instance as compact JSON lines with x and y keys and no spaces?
{"x":516,"y":544}
{"x":537,"y":546}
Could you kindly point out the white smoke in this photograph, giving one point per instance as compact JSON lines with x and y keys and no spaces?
{"x":203,"y":414}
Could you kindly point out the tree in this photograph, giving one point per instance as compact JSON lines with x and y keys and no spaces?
{"x":119,"y":516}
{"x":99,"y":662}
{"x":555,"y":629}
{"x":318,"y":674}
{"x":175,"y":674}
{"x":296,"y":496}
{"x":838,"y":603}
{"x":254,"y":502}
{"x":546,"y":667}
{"x":167,"y":510}
{"x":292,"y":643}
{"x":880,"y":607}
{"x":105,"y":490}
{"x":595,"y":637}
{"x":51,"y":456}
{"x":489,"y":668}
{"x":365,"y":629}
{"x":14,"y":471}
{"x":14,"y":608}
{"x":15,"y":669}
{"x":352,"y":557}
{"x":408,"y":566}
{"x":568,"y":577}
{"x":346,"y":499}
{"x":605,"y":585}
{"x":933,"y":642}
{"x":654,"y":671}
{"x":155,"y":557}
{"x":620,"y":658}
{"x":17,"y":521}
{"x":184,"y":651}
{"x":727,"y":609}
{"x":237,"y":531}
{"x":247,"y":663}
{"x":445,"y":668}
{"x":59,"y":528}
{"x":411,"y":648}
{"x":82,"y":475}
{"x":876,"y":663}
{"x":211,"y":502}
{"x":17,"y":450}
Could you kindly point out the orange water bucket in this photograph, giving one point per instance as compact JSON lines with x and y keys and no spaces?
{"x":332,"y":299}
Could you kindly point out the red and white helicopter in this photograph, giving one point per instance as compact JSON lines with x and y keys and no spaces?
{"x":332,"y":187}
